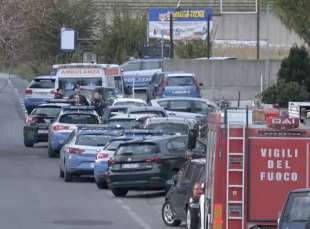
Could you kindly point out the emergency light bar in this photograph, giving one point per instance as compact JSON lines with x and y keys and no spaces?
{"x":60,"y":101}
{"x":84,"y":108}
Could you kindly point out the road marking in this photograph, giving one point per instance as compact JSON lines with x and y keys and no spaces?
{"x":133,"y":214}
{"x":20,"y":98}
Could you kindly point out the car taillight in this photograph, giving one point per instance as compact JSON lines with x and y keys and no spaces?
{"x":75,"y":150}
{"x":102,"y":155}
{"x":28,"y":91}
{"x":111,"y":162}
{"x":197,"y":190}
{"x":60,"y":127}
{"x":153,"y":160}
{"x":31,"y":120}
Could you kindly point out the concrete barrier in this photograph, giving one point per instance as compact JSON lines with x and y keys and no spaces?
{"x":225,"y":78}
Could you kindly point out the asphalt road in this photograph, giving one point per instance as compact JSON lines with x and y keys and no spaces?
{"x":32,"y":196}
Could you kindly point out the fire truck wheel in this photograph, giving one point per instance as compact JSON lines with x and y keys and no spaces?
{"x":169,"y":216}
{"x":192,"y":218}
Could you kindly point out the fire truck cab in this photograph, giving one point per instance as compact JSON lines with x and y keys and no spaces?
{"x":254,"y":158}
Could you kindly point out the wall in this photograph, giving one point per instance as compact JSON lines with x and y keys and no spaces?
{"x":225,"y":78}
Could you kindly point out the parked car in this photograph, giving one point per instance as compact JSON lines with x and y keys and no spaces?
{"x":129,"y":102}
{"x":173,"y":84}
{"x":38,"y":121}
{"x":185,"y":107}
{"x":296,"y":211}
{"x":145,"y":164}
{"x":66,"y":123}
{"x":40,"y":89}
{"x":138,"y":73}
{"x":157,"y":111}
{"x":101,"y":163}
{"x":77,"y":156}
{"x":182,"y":200}
{"x":128,"y":121}
{"x":171,"y":125}
{"x":111,"y":111}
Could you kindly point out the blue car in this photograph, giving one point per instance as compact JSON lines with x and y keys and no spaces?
{"x":78,"y":156}
{"x":102,"y":160}
{"x":66,"y":122}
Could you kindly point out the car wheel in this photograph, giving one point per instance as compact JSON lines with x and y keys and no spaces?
{"x":119,"y":192}
{"x":28,"y":143}
{"x":67,"y":176}
{"x":61,"y":173}
{"x":169,"y":216}
{"x":101,"y":185}
{"x":52,"y":153}
{"x":192,"y":219}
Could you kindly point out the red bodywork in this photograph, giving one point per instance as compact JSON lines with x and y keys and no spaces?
{"x":275,"y":162}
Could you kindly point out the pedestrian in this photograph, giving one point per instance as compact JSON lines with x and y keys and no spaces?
{"x":98,"y":103}
{"x":79,"y":99}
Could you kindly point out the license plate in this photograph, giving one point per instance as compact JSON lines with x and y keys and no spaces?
{"x":42,"y":131}
{"x":130,"y":166}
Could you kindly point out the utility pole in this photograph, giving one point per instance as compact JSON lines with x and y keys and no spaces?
{"x":258,"y":31}
{"x":171,"y":36}
{"x":208,"y":38}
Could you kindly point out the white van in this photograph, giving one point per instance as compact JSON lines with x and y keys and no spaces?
{"x":90,"y":75}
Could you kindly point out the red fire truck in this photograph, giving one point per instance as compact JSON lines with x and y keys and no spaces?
{"x":251,"y":167}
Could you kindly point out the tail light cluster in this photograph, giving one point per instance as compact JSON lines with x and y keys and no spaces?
{"x":73,"y":150}
{"x":153,"y":160}
{"x":31,"y":120}
{"x":60,"y":127}
{"x":102,"y":155}
{"x":28,"y":92}
{"x":197,"y":190}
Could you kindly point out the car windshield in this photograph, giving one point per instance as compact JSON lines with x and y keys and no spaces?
{"x":42,"y":84}
{"x":180,"y":81}
{"x":137,"y":149}
{"x":46,"y":111}
{"x":129,"y":103}
{"x":113,"y":145}
{"x":149,"y":65}
{"x":170,"y":128}
{"x":298,"y":207}
{"x":78,"y":119}
{"x":69,"y":83}
{"x":155,"y":113}
{"x":93,"y":139}
{"x":131,"y":66}
{"x":123,"y":123}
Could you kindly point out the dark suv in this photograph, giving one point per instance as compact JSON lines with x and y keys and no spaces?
{"x":182,"y":200}
{"x":146,"y":164}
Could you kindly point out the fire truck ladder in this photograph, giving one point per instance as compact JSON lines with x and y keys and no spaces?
{"x":235,"y":175}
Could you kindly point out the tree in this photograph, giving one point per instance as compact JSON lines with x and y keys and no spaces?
{"x":296,"y":67}
{"x":295,"y":15}
{"x":283,"y":92}
{"x":192,"y":49}
{"x":123,"y":38}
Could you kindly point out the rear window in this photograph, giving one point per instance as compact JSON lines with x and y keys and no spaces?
{"x":113,"y":145}
{"x":148,"y":65}
{"x":179,"y":105}
{"x":297,"y":208}
{"x":131,"y":66}
{"x":201,"y":107}
{"x":137,"y":104}
{"x":78,"y":119}
{"x":93,"y":140}
{"x":138,"y":149}
{"x":180,"y":81}
{"x":124,"y":123}
{"x":156,"y":113}
{"x":69,"y":83}
{"x":46,"y":111}
{"x":170,"y":128}
{"x":42,"y":84}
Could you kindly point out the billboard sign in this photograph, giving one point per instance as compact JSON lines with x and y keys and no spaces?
{"x":67,"y":39}
{"x":188,"y":24}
